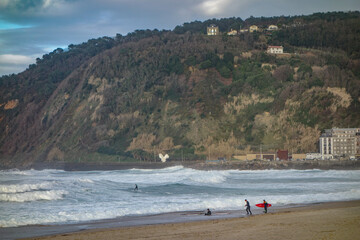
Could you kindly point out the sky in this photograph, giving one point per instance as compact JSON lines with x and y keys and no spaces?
{"x":31,"y":28}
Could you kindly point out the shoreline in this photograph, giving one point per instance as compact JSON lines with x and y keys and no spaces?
{"x":198,"y":165}
{"x":190,"y":224}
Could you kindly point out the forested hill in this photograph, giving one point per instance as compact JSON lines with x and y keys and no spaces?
{"x":184,"y":93}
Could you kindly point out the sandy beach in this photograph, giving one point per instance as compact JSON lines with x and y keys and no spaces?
{"x":335,"y":220}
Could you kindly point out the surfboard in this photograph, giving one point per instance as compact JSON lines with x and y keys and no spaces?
{"x":262,"y":205}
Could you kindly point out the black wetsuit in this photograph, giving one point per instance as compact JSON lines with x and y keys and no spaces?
{"x":208,"y":212}
{"x":248,"y":211}
{"x":265,"y":207}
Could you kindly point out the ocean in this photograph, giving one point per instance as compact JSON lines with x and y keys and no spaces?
{"x":60,"y":197}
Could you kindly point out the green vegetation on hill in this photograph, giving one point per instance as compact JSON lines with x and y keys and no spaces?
{"x":184,"y":93}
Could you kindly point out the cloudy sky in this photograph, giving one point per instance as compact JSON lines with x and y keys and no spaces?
{"x":31,"y":28}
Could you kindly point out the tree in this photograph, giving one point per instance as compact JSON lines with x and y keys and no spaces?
{"x":284,"y":73}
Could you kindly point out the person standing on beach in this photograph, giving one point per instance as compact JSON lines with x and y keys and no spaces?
{"x":265,"y":206}
{"x":247,"y":204}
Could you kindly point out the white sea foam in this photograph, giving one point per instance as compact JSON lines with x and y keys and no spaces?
{"x":181,"y":204}
{"x":33,"y":196}
{"x":168,"y":169}
{"x":210,"y":177}
{"x":352,"y":194}
{"x":19,"y":188}
{"x":85,"y":180}
{"x":96,"y":195}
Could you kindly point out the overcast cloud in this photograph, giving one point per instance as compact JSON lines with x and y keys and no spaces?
{"x":31,"y":28}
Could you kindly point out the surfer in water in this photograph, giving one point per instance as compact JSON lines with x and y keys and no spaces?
{"x":265,"y":206}
{"x":136,"y":187}
{"x":247,"y":204}
{"x":208,"y":213}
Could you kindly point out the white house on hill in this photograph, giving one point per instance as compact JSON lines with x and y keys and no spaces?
{"x":272,"y":28}
{"x":275,"y":49}
{"x":232,"y":32}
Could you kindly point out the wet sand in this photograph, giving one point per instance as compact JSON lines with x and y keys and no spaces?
{"x":336,"y":220}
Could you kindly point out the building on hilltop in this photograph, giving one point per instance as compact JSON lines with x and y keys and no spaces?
{"x":232,"y":32}
{"x":275,"y":49}
{"x":272,"y":28}
{"x":213,"y":30}
{"x":253,"y":28}
{"x":340,"y":142}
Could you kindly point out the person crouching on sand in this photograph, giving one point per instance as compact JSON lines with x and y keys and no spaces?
{"x":247,"y":204}
{"x":265,"y":206}
{"x":208,"y":213}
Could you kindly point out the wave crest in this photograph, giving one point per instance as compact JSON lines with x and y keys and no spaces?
{"x":20,"y":188}
{"x":209,"y":178}
{"x":33,"y":196}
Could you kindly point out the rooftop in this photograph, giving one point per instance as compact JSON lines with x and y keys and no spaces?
{"x":275,"y":46}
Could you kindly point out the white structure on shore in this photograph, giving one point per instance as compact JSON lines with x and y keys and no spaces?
{"x":313,"y":156}
{"x":340,"y":142}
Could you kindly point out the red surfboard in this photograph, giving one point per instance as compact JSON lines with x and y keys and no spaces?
{"x":262,"y":205}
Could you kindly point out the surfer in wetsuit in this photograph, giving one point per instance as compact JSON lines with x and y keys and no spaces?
{"x":265,"y":206}
{"x":136,"y":187}
{"x":247,"y":204}
{"x":208,"y":213}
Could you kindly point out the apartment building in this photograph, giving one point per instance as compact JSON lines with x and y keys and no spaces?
{"x":340,"y":142}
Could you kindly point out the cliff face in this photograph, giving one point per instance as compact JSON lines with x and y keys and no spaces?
{"x":187,"y":94}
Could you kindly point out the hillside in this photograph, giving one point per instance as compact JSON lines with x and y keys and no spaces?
{"x":185,"y":93}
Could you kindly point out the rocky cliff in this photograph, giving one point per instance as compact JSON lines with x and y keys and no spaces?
{"x":183,"y":93}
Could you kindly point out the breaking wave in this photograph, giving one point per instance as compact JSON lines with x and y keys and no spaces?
{"x":33,"y":196}
{"x":52,"y":196}
{"x":20,"y":188}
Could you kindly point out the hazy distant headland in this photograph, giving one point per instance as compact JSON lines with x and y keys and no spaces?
{"x":260,"y":84}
